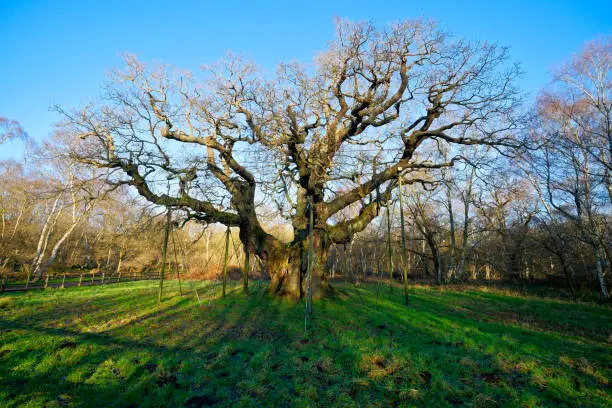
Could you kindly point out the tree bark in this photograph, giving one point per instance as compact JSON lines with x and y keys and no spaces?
{"x":42,"y":269}
{"x":599,"y":271}
{"x":43,"y":240}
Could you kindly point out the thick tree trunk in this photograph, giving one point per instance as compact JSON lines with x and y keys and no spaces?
{"x":285,"y":273}
{"x":286,"y":263}
{"x":287,"y":269}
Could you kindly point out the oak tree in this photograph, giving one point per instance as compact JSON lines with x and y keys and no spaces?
{"x":334,"y":134}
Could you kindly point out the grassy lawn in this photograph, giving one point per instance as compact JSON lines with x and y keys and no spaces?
{"x":114,"y":346}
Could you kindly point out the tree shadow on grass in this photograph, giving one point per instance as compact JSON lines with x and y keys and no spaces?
{"x":251,"y":349}
{"x":465,"y":353}
{"x":589,"y":321}
{"x":226,"y":323}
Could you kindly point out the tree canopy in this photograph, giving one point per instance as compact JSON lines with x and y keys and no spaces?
{"x":333,"y":136}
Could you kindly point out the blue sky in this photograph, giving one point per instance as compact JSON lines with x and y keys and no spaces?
{"x":58,"y":52}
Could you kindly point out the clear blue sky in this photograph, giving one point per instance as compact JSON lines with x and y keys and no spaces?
{"x":58,"y":52}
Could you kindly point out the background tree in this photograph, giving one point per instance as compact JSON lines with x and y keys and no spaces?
{"x":11,"y":129}
{"x":572,"y":169}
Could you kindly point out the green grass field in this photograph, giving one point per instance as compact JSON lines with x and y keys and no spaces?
{"x":114,"y":346}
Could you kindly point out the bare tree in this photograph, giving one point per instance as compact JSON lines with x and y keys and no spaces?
{"x":10,"y":129}
{"x":573,"y":169}
{"x":81,"y":206}
{"x":582,"y":94}
{"x":237,"y":141}
{"x":427,"y":220}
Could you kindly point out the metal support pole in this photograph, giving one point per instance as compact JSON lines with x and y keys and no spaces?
{"x":389,"y":250}
{"x":227,"y":237}
{"x":404,"y":249}
{"x":164,"y":250}
{"x":308,"y":310}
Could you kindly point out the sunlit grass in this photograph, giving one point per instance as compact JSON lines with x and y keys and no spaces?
{"x":82,"y":346}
